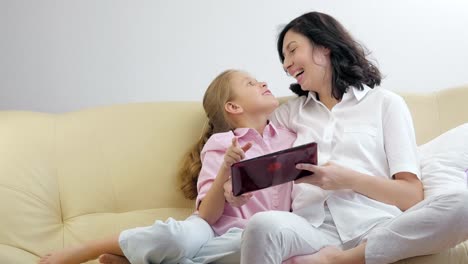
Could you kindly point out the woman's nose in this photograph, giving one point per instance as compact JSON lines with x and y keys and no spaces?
{"x":287,"y":64}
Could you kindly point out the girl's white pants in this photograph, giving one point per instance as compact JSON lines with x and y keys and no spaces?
{"x":186,"y":242}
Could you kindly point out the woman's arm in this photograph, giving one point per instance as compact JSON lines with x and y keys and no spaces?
{"x":404,"y":191}
{"x":281,"y":116}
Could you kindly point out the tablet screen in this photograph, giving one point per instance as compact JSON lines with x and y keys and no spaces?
{"x":272,"y":169}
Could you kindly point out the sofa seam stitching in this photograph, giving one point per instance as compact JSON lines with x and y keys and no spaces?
{"x":437,"y":94}
{"x":58,"y":180}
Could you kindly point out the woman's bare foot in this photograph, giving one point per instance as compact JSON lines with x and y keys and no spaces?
{"x":324,"y":256}
{"x":113,"y":259}
{"x":66,"y":256}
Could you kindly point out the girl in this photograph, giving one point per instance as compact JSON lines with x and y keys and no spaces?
{"x":369,"y":169}
{"x":237,"y":107}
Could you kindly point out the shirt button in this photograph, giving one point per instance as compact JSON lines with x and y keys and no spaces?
{"x":275,"y":202}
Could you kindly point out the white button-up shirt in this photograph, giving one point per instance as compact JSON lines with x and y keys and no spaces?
{"x":370,"y":131}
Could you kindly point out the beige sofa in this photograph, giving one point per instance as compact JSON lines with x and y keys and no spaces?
{"x":67,"y":178}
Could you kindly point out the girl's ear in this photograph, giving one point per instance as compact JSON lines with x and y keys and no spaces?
{"x":233,"y":108}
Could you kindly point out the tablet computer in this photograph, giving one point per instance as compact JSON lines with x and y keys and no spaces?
{"x":272,"y":169}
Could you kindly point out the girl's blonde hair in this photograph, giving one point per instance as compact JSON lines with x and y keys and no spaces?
{"x":219,"y":92}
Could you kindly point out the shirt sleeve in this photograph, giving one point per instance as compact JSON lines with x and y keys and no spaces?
{"x":399,"y":138}
{"x":211,"y":162}
{"x":281,"y":116}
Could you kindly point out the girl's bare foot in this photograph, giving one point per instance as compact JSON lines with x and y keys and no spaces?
{"x":113,"y":259}
{"x":324,"y":256}
{"x":66,"y":256}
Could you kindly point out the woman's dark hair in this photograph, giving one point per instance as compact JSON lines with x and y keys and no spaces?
{"x":350,"y":67}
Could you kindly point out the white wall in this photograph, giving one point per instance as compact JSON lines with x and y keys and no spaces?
{"x":65,"y":55}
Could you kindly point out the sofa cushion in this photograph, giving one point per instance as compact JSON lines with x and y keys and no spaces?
{"x":444,"y":162}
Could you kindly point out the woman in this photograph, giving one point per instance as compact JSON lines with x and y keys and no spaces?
{"x":368,"y":169}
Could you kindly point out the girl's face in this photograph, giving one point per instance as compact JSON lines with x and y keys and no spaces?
{"x":305,"y":62}
{"x":253,"y":96}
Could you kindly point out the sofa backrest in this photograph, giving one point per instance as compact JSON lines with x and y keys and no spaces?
{"x":58,"y":172}
{"x":437,"y":112}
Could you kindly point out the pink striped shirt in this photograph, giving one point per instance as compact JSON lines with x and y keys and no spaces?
{"x":273,"y":198}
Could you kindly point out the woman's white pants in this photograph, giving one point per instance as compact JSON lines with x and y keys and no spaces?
{"x":432,"y":225}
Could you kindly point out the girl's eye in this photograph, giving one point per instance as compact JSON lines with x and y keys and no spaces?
{"x":251,"y":83}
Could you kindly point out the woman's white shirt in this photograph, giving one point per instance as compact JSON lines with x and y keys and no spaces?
{"x":370,"y":131}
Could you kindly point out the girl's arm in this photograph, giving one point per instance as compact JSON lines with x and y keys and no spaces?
{"x":212,"y":206}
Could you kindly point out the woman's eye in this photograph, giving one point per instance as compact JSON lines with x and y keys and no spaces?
{"x":251,"y":83}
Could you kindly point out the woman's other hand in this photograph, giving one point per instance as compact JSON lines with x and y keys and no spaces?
{"x":329,"y":176}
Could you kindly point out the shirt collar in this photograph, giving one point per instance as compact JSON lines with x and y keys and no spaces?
{"x":352,"y":91}
{"x":310,"y":96}
{"x":269,"y":129}
{"x":359,"y":94}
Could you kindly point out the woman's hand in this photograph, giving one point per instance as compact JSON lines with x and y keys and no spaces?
{"x":235,"y":201}
{"x":329,"y":176}
{"x":404,"y":191}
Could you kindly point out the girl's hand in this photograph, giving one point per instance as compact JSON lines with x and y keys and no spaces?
{"x":235,"y":153}
{"x":235,"y":201}
{"x":329,"y":176}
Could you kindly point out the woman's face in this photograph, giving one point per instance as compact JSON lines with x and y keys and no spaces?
{"x":253,"y":96}
{"x":305,"y":62}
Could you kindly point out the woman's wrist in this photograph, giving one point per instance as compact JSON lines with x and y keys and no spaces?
{"x":357,"y":181}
